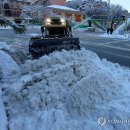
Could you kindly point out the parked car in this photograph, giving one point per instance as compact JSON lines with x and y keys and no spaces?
{"x":90,"y":29}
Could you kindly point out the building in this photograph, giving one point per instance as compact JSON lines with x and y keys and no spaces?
{"x":57,"y":2}
{"x":48,"y":2}
{"x":13,"y":7}
{"x":57,"y":7}
{"x":68,"y":13}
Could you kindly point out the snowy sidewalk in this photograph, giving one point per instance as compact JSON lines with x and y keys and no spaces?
{"x":114,"y":35}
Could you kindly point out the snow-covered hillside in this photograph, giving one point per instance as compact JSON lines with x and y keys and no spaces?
{"x":65,"y":91}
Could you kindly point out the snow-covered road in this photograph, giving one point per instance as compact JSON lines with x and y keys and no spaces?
{"x":65,"y":91}
{"x":109,"y":47}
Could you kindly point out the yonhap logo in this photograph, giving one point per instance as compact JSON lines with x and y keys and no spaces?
{"x":102,"y":121}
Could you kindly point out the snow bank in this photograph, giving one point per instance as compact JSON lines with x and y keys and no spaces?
{"x":68,"y":91}
{"x":114,"y":35}
{"x":34,"y":27}
{"x":33,"y":34}
{"x":3,"y":117}
{"x":4,"y":46}
{"x":8,"y":66}
{"x":6,"y":27}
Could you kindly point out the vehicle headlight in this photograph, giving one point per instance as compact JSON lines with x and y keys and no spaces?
{"x":62,"y":20}
{"x":48,"y":20}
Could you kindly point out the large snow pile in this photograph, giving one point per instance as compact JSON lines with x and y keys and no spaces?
{"x":67,"y":91}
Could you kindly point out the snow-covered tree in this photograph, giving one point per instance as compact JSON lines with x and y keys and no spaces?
{"x":118,"y":11}
{"x":97,"y":8}
{"x":74,"y":4}
{"x":94,"y":8}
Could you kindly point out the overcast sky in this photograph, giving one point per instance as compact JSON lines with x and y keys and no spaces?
{"x":124,"y":3}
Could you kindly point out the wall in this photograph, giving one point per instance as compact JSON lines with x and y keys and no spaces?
{"x":57,"y":2}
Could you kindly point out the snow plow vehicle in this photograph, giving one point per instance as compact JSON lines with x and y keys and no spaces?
{"x":56,"y":35}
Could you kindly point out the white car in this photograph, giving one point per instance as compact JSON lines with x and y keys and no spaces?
{"x":90,"y":29}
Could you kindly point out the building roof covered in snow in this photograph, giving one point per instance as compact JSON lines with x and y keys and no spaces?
{"x":64,"y":8}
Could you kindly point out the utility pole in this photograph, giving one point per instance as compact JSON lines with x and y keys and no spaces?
{"x":109,"y":17}
{"x":109,"y":3}
{"x":1,"y":10}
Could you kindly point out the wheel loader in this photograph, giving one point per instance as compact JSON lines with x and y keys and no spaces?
{"x":56,"y":35}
